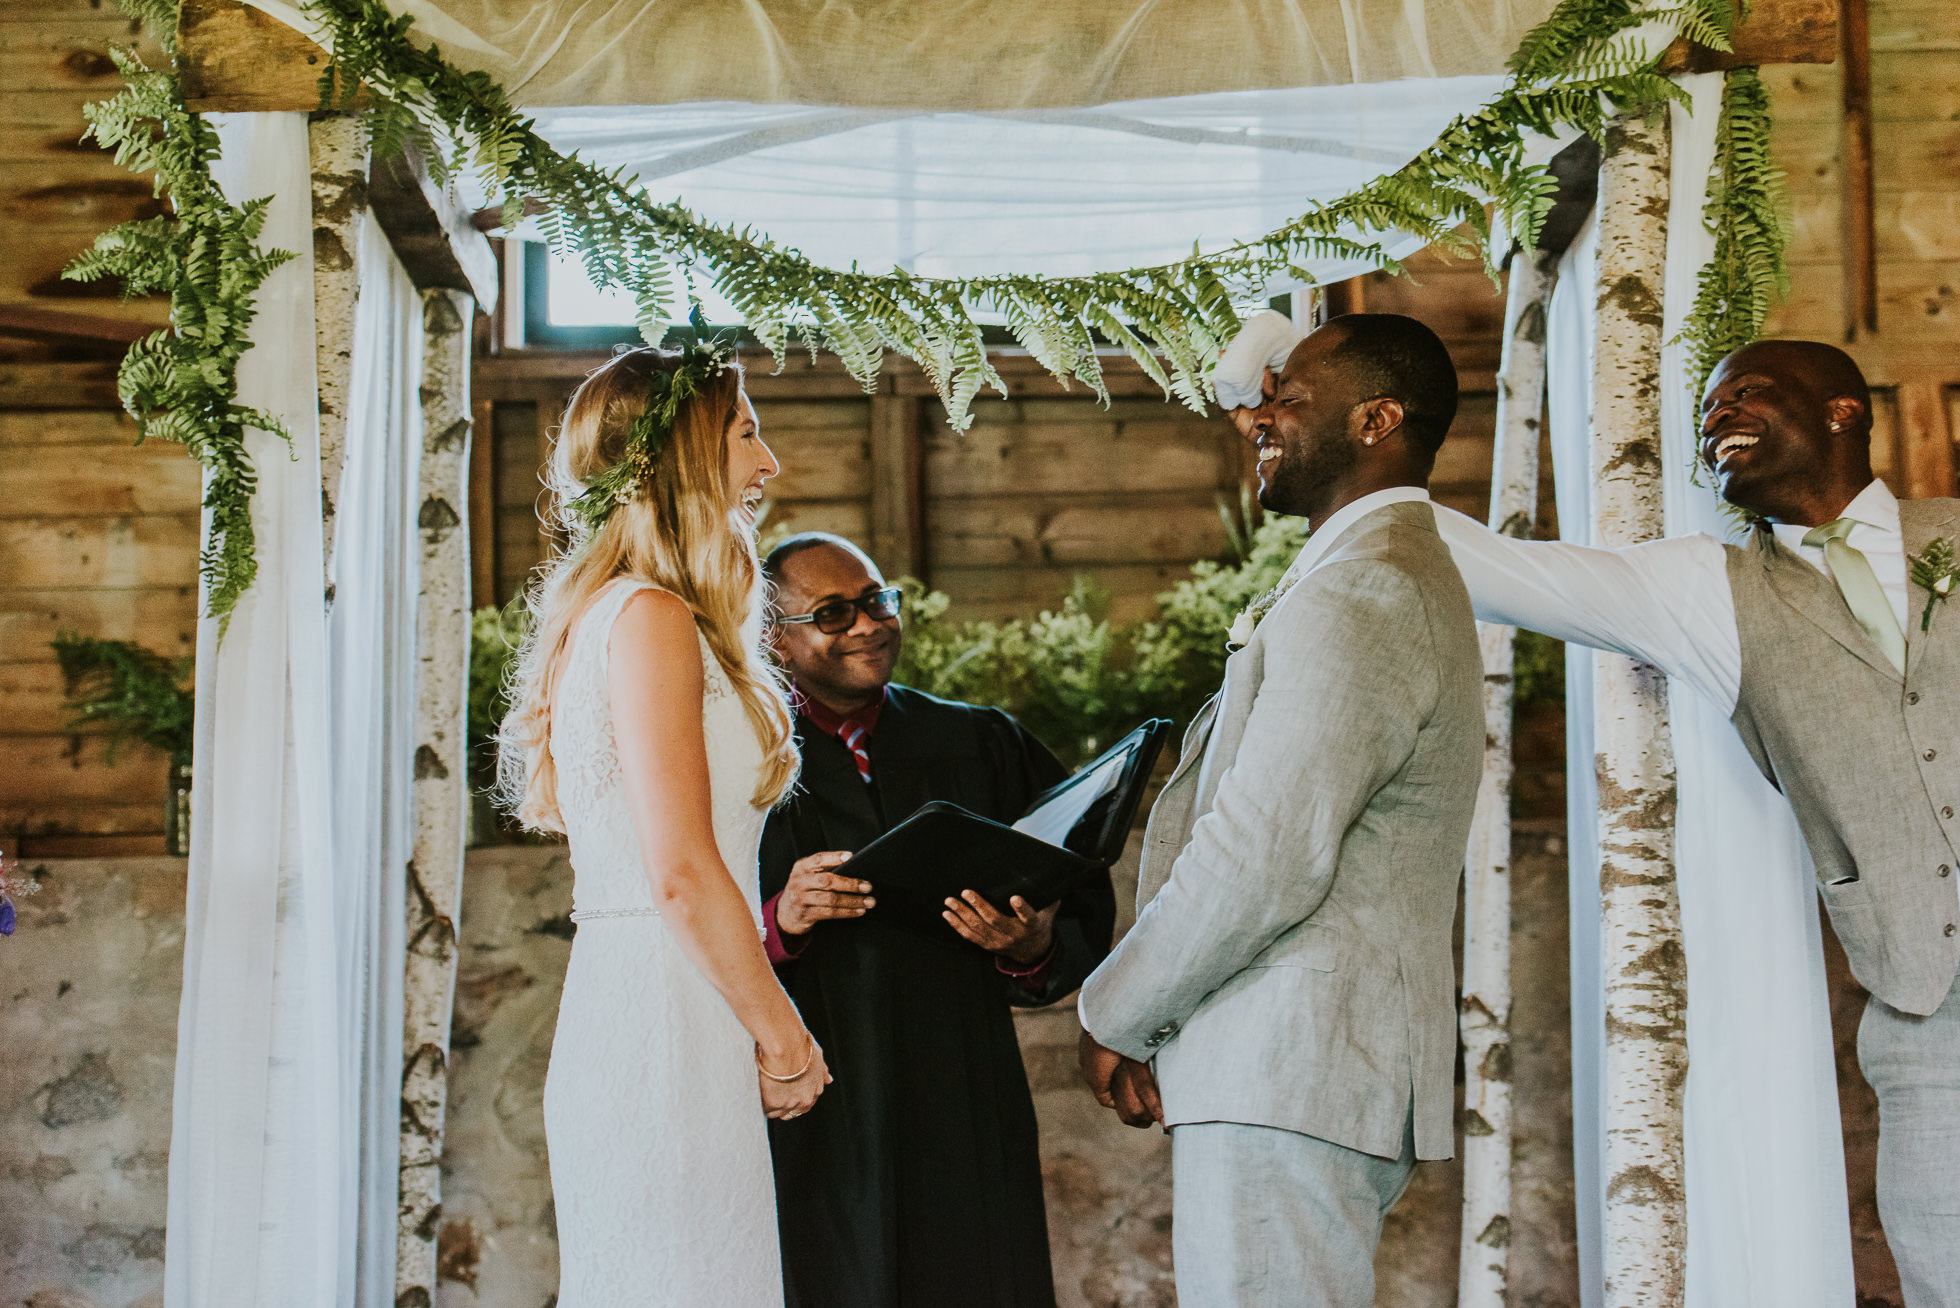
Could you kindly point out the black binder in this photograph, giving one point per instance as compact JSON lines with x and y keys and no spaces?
{"x":943,"y":849}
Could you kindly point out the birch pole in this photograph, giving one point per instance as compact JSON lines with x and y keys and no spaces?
{"x":1484,"y":1255}
{"x":1645,"y":1246}
{"x":340,"y":185}
{"x":435,"y":869}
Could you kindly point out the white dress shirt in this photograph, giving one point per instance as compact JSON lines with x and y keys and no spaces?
{"x":1350,"y":513}
{"x":1666,"y":602}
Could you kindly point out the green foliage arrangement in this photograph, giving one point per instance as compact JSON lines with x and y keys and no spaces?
{"x":181,"y":384}
{"x":1473,"y":182}
{"x":495,"y":635}
{"x":127,"y":692}
{"x":1748,"y":213}
{"x":1471,"y":191}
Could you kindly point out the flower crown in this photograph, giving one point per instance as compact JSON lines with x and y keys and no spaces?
{"x":667,"y":390}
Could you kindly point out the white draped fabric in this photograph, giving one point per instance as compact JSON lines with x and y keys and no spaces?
{"x":1057,"y":192}
{"x":284,"y":1137}
{"x":376,"y":570}
{"x":259,"y":1125}
{"x":1768,"y":1223}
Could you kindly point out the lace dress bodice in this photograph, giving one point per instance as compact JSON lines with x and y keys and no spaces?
{"x":610,"y":875}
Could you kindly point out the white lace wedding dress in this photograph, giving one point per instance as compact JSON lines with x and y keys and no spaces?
{"x":659,"y":1150}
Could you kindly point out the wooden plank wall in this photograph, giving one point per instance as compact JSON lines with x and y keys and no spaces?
{"x":1913,"y":359}
{"x":1044,"y":486}
{"x":97,"y":535}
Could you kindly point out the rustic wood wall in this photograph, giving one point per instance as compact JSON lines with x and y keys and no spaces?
{"x":97,"y":535}
{"x":1046,"y":485}
{"x":1913,"y":356}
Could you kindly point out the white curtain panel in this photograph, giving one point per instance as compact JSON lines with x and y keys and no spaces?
{"x":1768,"y":1224}
{"x":1568,"y":413}
{"x":1768,"y":1221}
{"x":255,"y":1214}
{"x":371,"y":635}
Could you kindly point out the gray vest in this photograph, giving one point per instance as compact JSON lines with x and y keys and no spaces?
{"x":1869,"y":760}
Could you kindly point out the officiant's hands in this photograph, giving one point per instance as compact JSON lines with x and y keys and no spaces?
{"x":1120,"y":1083}
{"x":815,"y":893}
{"x":1024,"y":936}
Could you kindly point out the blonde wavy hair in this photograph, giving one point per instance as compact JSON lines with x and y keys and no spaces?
{"x":684,"y":532}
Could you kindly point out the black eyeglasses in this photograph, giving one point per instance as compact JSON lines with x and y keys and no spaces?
{"x":839,"y":616}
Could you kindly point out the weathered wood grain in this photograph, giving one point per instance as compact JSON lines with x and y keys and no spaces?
{"x":1916,"y":302}
{"x":72,"y":427}
{"x":89,"y":481}
{"x":1084,"y":531}
{"x":1089,"y":454}
{"x":164,"y":618}
{"x":52,"y":768}
{"x":823,"y":463}
{"x":91,"y":552}
{"x":1921,"y":226}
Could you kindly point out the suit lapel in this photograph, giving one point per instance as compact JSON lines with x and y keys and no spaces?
{"x":1921,"y":522}
{"x":1816,"y":596}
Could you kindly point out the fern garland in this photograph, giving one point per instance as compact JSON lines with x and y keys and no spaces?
{"x":1171,"y":318}
{"x":181,"y":383}
{"x":1472,"y":192}
{"x":1746,"y":211}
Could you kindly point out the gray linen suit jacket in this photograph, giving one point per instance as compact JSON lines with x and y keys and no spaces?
{"x":1291,"y":965}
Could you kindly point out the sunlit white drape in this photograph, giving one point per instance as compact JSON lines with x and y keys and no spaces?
{"x":259,"y":1128}
{"x":1050,"y":192}
{"x":1767,"y":1218}
{"x":372,"y":646}
{"x":284,"y":1139}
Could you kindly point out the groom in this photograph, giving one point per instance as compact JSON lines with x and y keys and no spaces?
{"x":1290,"y":970}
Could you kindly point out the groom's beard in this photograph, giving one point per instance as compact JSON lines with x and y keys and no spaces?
{"x":1303,"y":477}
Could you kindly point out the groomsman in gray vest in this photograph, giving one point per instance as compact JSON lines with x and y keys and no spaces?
{"x":1290,"y":971}
{"x":1830,"y":637}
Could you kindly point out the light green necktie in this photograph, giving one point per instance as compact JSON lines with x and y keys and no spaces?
{"x":1859,"y":586}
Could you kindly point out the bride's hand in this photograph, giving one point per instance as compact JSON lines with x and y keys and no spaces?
{"x":783,"y":1100}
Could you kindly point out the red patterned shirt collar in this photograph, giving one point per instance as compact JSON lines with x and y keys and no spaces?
{"x":833,"y":724}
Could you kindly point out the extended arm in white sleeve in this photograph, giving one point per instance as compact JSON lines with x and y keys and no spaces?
{"x":1666,"y":602}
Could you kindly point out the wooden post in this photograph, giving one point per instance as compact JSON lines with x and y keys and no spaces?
{"x":339,"y":205}
{"x":1925,"y":433}
{"x":897,"y":482}
{"x":1484,"y":1254}
{"x":435,"y":869}
{"x":1645,"y":1248}
{"x":1859,"y":249}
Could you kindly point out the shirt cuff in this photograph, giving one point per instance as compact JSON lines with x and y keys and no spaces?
{"x":780,"y":948}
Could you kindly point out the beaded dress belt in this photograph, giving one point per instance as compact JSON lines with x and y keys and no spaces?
{"x":588,"y":914}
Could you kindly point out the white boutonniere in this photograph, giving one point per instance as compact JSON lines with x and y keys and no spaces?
{"x":1936,"y":569}
{"x":1240,"y":634}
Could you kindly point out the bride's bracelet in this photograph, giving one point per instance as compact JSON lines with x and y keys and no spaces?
{"x":797,"y":1075}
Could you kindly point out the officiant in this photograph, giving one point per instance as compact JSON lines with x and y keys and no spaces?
{"x":917,"y":1179}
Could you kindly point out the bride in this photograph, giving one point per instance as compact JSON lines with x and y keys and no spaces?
{"x":647,"y":727}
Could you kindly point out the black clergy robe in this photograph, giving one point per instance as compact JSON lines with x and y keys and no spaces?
{"x":915,"y":1182}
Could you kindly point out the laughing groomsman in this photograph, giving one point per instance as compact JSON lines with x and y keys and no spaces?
{"x":1829,"y":637}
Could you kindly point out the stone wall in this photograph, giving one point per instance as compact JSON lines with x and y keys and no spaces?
{"x":88,"y":1037}
{"x":88,"y":1030}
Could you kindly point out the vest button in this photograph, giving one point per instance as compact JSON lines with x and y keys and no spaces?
{"x":1945,"y":871}
{"x":1931,"y":754}
{"x":1912,"y":697}
{"x":1947,"y":812}
{"x":1949,"y":928}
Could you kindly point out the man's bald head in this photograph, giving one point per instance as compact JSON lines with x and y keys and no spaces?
{"x":1824,"y":370}
{"x":1786,"y":428}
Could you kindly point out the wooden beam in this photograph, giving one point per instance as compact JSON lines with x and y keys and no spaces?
{"x":1776,"y":32}
{"x":1926,"y":435}
{"x":1859,"y":244}
{"x":26,"y":322}
{"x":431,"y":234}
{"x":231,"y":56}
{"x":483,"y":505}
{"x":898,"y":531}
